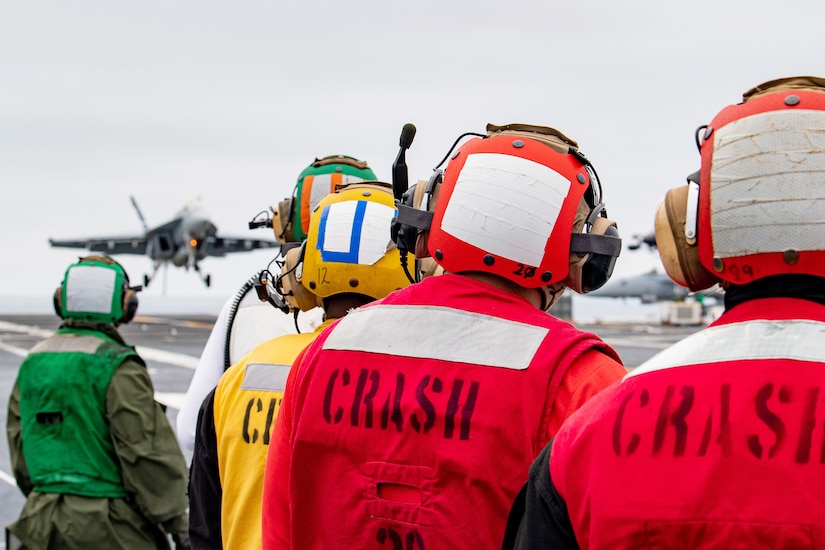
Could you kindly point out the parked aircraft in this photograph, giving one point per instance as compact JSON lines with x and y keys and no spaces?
{"x":183,"y":241}
{"x":653,"y":286}
{"x":648,"y":239}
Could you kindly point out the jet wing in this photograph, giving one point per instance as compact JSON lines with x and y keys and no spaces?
{"x":221,"y":246}
{"x":105,"y":245}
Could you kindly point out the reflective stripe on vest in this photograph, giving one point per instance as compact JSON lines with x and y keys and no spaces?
{"x":265,"y":377}
{"x":798,"y":340}
{"x":68,"y":343}
{"x":442,"y":333}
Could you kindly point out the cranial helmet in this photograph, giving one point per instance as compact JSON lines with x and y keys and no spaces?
{"x":291,"y":218}
{"x":96,"y":289}
{"x":347,"y":250}
{"x":515,"y":203}
{"x":756,"y":207}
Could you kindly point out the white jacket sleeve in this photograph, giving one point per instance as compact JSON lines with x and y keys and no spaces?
{"x":207,"y":374}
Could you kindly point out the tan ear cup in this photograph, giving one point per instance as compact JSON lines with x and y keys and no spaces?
{"x":57,"y":301}
{"x":428,"y":267}
{"x":296,"y":295}
{"x":130,"y":305}
{"x":282,"y":222}
{"x":680,"y":256}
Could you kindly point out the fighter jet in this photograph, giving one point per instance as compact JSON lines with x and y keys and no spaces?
{"x":651,"y":287}
{"x":183,"y":241}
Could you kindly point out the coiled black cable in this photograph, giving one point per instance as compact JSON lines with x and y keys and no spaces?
{"x":233,"y":310}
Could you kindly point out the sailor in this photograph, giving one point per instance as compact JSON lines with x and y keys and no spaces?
{"x":244,"y":320}
{"x":413,"y":421}
{"x":345,"y":262}
{"x":90,"y":448}
{"x":717,"y":441}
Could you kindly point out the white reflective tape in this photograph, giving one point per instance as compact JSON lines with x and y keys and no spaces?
{"x":322,"y":186}
{"x":68,"y":343}
{"x":354,"y":232}
{"x":441,"y":333}
{"x":767,"y":183}
{"x":796,"y":340}
{"x":90,"y":289}
{"x":265,"y":377}
{"x":506,"y":205}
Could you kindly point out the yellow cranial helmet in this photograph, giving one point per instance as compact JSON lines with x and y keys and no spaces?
{"x":348,"y":248}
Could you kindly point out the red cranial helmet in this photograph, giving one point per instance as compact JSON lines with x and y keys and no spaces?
{"x":515,"y":203}
{"x":757,"y":207}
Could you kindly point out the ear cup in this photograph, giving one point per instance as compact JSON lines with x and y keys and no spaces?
{"x":599,"y":267}
{"x":680,"y":257}
{"x":593,"y":253}
{"x":57,"y":301}
{"x":289,"y":283}
{"x":130,"y":305}
{"x":282,"y":221}
{"x":590,"y":271}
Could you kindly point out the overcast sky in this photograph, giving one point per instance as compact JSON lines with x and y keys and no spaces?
{"x":170,"y":100}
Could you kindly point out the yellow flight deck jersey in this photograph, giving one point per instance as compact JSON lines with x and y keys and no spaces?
{"x":245,"y":404}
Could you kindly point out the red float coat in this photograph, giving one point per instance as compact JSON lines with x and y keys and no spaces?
{"x":717,"y":442}
{"x":412,"y":425}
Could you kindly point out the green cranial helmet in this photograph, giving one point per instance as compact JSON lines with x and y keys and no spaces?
{"x":96,"y":289}
{"x":316,"y":181}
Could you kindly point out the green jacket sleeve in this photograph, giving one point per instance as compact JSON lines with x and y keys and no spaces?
{"x":14,"y":432}
{"x":154,"y":470}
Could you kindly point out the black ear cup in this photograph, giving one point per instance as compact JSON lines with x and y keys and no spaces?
{"x":598,"y":268}
{"x":593,"y":253}
{"x":415,"y":212}
{"x":403,"y":234}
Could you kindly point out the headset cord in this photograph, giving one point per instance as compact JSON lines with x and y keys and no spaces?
{"x":402,"y":254}
{"x":233,"y":310}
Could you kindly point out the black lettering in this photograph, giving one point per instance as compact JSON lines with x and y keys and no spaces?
{"x":453,"y":407}
{"x":426,"y":406}
{"x":806,"y":430}
{"x":617,"y":429}
{"x":414,"y":541}
{"x":360,"y":397}
{"x":467,"y":411}
{"x":519,"y":270}
{"x":395,"y":416}
{"x":770,"y":419}
{"x":724,"y":437}
{"x":677,"y":418}
{"x":246,"y":418}
{"x":339,"y":412}
{"x":270,"y":416}
{"x":822,"y":450}
{"x":384,"y":534}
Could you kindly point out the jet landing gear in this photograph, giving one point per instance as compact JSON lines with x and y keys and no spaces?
{"x":207,"y":279}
